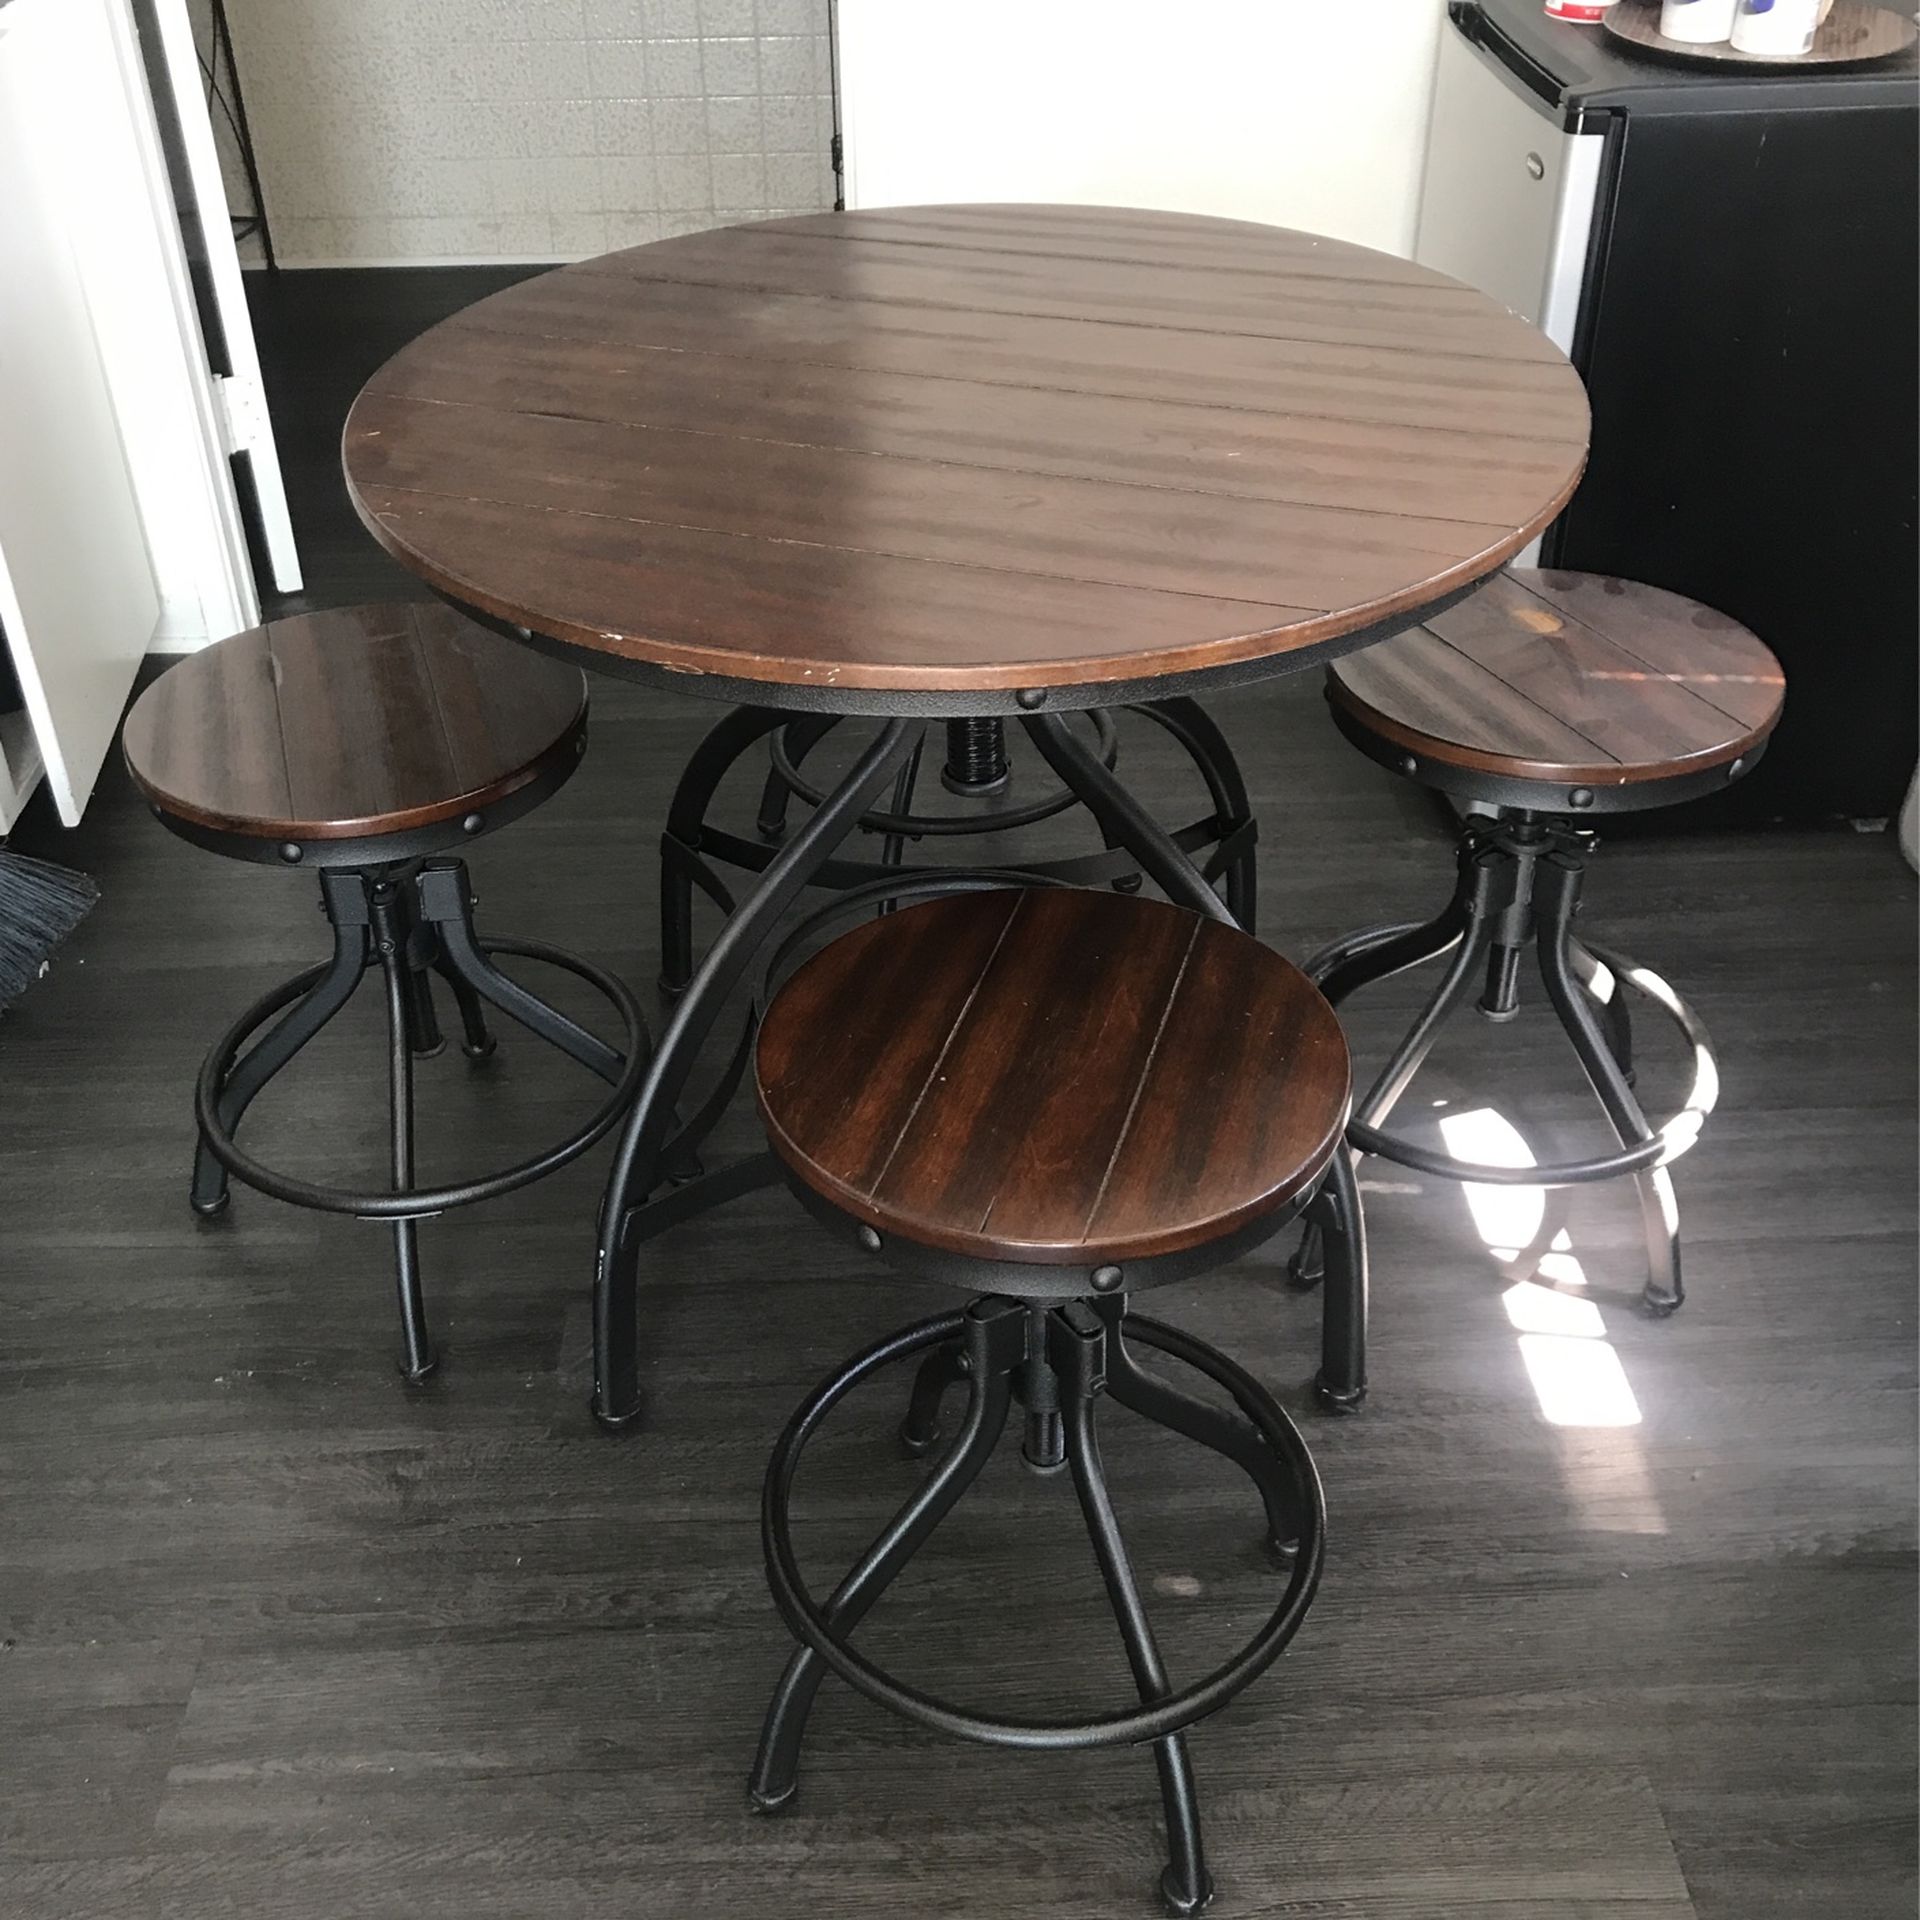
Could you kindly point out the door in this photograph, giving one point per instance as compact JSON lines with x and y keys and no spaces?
{"x":79,"y":597}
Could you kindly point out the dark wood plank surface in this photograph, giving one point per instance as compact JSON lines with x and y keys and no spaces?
{"x":1568,"y":677}
{"x":277,"y":1639}
{"x":971,"y":447}
{"x":1855,"y":33}
{"x":1065,"y":1077}
{"x":364,"y":720}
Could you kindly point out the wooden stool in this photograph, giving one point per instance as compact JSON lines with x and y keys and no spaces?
{"x":365,"y":743}
{"x":1054,"y":1098}
{"x":1544,"y":700}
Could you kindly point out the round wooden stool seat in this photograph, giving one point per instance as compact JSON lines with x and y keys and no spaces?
{"x":1565,"y":691}
{"x":308,"y":738}
{"x":1057,"y":1078}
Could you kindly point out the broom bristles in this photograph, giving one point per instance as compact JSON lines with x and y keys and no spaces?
{"x":40,"y":904}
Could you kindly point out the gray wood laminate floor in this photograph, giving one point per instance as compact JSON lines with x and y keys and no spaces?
{"x":279,"y":1637}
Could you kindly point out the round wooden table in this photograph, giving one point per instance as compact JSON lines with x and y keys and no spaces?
{"x":954,"y":461}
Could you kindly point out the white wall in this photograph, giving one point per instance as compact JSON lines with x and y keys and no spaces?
{"x":1304,"y":113}
{"x":394,"y":131}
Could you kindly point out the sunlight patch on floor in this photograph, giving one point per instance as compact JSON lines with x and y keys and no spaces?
{"x":1577,"y":1376}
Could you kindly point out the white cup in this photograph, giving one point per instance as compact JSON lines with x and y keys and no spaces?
{"x":1699,"y":23}
{"x":1780,"y":28}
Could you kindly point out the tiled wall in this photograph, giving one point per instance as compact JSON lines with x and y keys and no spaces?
{"x":417,"y":130}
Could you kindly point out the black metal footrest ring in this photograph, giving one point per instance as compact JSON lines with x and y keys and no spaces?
{"x":1170,"y":1715}
{"x":415,"y":1203}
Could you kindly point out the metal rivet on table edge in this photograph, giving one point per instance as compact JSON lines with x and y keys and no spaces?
{"x":290,"y":853}
{"x":1030,"y":697}
{"x":870,"y":1239}
{"x":1105,"y":1279}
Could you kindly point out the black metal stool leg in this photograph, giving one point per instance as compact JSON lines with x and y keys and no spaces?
{"x":1466,"y":931}
{"x":423,"y":1022}
{"x":446,"y":903}
{"x":389,"y":932}
{"x":1185,"y":1885}
{"x":776,"y":1766}
{"x":893,"y":847}
{"x":942,"y":1369}
{"x":478,"y":1043}
{"x":724,"y":744}
{"x":776,"y":795}
{"x":1122,"y":819}
{"x":1393,"y":1079}
{"x":1341,"y":1385}
{"x":1615,"y":1014}
{"x":1380,"y":952}
{"x":346,"y":903}
{"x":1143,"y":1393}
{"x":1308,"y":1266}
{"x":1558,"y":891}
{"x":1199,"y":733}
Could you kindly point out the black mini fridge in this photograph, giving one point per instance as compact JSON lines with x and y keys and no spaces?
{"x":1730,"y":259}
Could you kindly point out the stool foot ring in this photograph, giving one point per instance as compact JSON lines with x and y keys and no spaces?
{"x":1084,"y":1351}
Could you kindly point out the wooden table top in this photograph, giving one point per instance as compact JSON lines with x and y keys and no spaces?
{"x":958,"y":449}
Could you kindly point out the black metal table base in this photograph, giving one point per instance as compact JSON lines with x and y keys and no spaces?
{"x":414,"y":923}
{"x":652,"y":1136}
{"x":693,"y":850}
{"x":1057,"y":1359}
{"x":1519,"y":885}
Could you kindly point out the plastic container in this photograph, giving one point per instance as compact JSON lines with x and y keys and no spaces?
{"x":1778,"y":29}
{"x":1587,"y":12}
{"x":1698,"y":23}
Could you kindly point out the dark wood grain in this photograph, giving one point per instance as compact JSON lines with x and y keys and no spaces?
{"x":366,"y":720}
{"x":1855,"y":33}
{"x":602,"y":321}
{"x":1052,"y":1076}
{"x":789,"y":452}
{"x":1568,"y":677}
